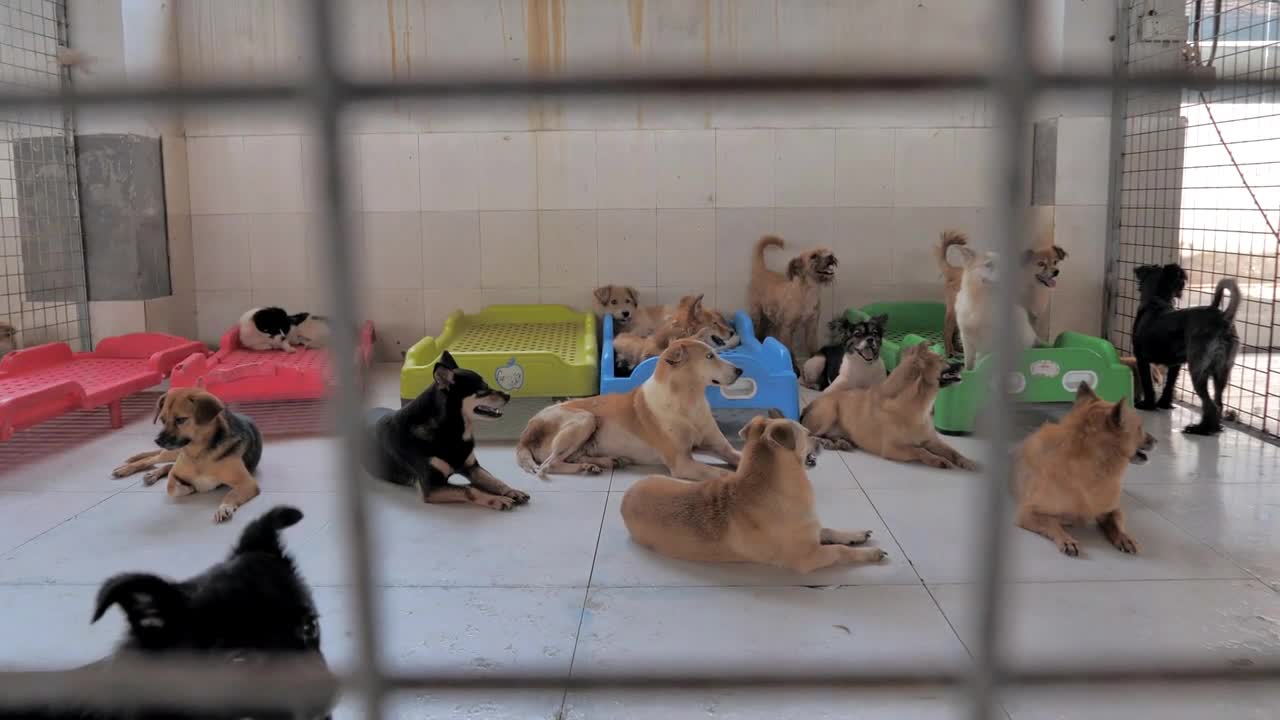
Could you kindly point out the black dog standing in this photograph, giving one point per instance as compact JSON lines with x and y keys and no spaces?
{"x":1203,"y":337}
{"x":431,"y":438}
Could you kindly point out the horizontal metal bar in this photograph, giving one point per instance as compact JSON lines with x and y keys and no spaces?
{"x":172,"y":684}
{"x":595,"y":84}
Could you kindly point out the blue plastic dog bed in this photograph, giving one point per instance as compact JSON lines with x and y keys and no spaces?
{"x":767,"y":379}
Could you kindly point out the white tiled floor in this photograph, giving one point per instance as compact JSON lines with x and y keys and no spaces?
{"x":558,"y":586}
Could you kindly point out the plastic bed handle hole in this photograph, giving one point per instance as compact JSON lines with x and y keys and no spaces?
{"x":743,"y":388}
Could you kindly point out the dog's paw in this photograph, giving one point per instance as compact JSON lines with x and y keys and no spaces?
{"x":939,"y":462}
{"x":154,"y":476}
{"x":872,"y":555}
{"x":497,"y":502}
{"x":1069,"y":547}
{"x":1164,"y":405}
{"x":520,"y":497}
{"x":965,"y":463}
{"x":591,"y":468}
{"x":1144,"y":405}
{"x":857,"y":538}
{"x":223,"y":513}
{"x":122,"y":471}
{"x":1202,"y":429}
{"x":1126,"y":544}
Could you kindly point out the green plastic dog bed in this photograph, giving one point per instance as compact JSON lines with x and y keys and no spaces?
{"x":1044,"y":374}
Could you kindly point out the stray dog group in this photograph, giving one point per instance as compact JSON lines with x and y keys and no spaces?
{"x":203,"y":446}
{"x":689,"y":318}
{"x":1202,"y":337}
{"x":271,"y":328}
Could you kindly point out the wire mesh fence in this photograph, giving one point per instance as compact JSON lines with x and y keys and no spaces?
{"x":1014,"y":82}
{"x":42,"y":282}
{"x":1200,"y":182}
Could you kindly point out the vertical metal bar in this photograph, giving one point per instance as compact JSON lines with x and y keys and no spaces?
{"x":1014,"y":86}
{"x":1111,"y":272}
{"x":328,"y":96}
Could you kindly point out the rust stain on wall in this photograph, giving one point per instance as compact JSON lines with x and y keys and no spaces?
{"x":544,"y":31}
{"x":635,"y":12}
{"x":391,"y":33}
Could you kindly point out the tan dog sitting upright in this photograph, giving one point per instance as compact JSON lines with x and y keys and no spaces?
{"x":1071,"y":471}
{"x":208,"y":446}
{"x":763,"y":513}
{"x":786,"y":306}
{"x":661,"y":422}
{"x":1040,"y":274}
{"x":690,"y":318}
{"x":894,"y":418}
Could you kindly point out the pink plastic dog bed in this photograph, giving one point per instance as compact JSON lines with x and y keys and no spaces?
{"x":45,"y":381}
{"x":236,"y":374}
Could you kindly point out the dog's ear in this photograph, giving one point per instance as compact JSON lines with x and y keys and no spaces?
{"x":159,"y":407}
{"x":752,"y":429}
{"x":1116,"y":416}
{"x":1085,"y":393}
{"x":156,"y":609}
{"x":782,"y":434}
{"x":775,"y":414}
{"x":602,"y":293}
{"x":447,"y":360}
{"x":263,"y":534}
{"x":695,"y":307}
{"x":881,"y":321}
{"x":442,"y":374}
{"x":675,"y":354}
{"x":299,"y":318}
{"x":205,"y":407}
{"x":1062,"y":254}
{"x":795,"y":268}
{"x":633,"y":294}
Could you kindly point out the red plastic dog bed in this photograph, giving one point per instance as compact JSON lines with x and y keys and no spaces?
{"x":43,"y":382}
{"x":237,"y":374}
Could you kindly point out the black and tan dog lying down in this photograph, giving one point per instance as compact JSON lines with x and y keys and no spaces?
{"x":431,"y":439}
{"x":763,"y":512}
{"x":249,"y":610}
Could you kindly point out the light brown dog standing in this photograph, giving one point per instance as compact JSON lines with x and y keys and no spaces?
{"x":787,"y":306}
{"x":894,"y":418}
{"x":208,"y":446}
{"x":1071,"y":471}
{"x":661,"y":422}
{"x":763,"y":513}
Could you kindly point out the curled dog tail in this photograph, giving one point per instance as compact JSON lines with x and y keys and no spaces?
{"x":263,"y":534}
{"x":757,"y":260}
{"x":1234,"y":303}
{"x":949,"y":239}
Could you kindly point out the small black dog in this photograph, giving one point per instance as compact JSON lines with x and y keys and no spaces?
{"x":1203,"y":337}
{"x":251,"y":607}
{"x":431,"y":438}
{"x":852,"y":360}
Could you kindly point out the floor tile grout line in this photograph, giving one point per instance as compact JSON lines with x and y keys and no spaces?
{"x":586,"y":594}
{"x":57,"y":525}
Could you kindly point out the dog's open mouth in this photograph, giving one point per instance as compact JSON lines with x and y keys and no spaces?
{"x":1139,"y":458}
{"x":1048,"y":281}
{"x":951,"y":375}
{"x":486,"y":411}
{"x":718,"y":341}
{"x":868,"y":353}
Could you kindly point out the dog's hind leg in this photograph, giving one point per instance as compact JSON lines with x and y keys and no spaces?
{"x":1209,"y":422}
{"x":1050,"y":527}
{"x":1170,"y":381}
{"x":918,"y":454}
{"x":1112,"y":526}
{"x":937,"y":447}
{"x":573,"y":433}
{"x":820,"y":556}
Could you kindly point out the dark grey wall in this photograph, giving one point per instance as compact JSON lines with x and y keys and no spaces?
{"x":51,"y":252}
{"x":122,"y":210}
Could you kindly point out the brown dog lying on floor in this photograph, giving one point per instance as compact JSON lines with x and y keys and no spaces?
{"x":763,"y":513}
{"x":690,"y":318}
{"x":1040,"y":274}
{"x":208,"y":445}
{"x":1071,"y":471}
{"x":893,"y":419}
{"x":786,"y":306}
{"x":661,"y":422}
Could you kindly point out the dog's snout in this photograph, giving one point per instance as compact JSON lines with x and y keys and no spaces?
{"x":625,"y":314}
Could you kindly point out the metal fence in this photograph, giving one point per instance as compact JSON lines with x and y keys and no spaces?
{"x":1013,"y":81}
{"x":42,"y":279}
{"x":1199,"y":182}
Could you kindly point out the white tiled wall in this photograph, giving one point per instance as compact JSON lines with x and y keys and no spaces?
{"x":466,"y":203}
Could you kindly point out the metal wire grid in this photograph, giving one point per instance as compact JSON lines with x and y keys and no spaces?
{"x":1013,"y":80}
{"x":1195,"y":166}
{"x":42,"y":278}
